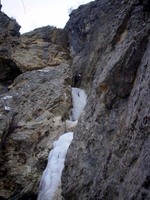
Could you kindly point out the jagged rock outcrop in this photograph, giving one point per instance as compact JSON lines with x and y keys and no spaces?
{"x":109,"y":157}
{"x":43,"y":47}
{"x":9,"y":34}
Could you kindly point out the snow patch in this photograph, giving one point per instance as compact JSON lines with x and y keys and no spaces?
{"x":6,"y":97}
{"x":79,"y":99}
{"x":7,"y":108}
{"x":51,"y":179}
{"x":43,"y":70}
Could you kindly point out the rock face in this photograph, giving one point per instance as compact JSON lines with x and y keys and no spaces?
{"x":9,"y":34}
{"x":109,"y":157}
{"x":38,"y":104}
{"x":47,"y":46}
{"x":33,"y":105}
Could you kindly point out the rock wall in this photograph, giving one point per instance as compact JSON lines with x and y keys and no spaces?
{"x":103,"y":49}
{"x":32,"y":116}
{"x":35,"y":98}
{"x":109,"y":157}
{"x":9,"y":34}
{"x":43,"y":47}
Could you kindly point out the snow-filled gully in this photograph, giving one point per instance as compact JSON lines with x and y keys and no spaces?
{"x":51,"y":178}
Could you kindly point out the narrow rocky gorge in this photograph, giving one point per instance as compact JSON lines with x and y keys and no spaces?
{"x":103,"y":49}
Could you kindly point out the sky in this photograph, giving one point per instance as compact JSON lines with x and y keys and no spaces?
{"x":31,"y":14}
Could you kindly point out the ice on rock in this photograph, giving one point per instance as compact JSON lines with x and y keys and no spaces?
{"x":6,"y":97}
{"x":7,"y":108}
{"x":51,"y":178}
{"x":79,"y":101}
{"x":5,"y":101}
{"x":43,"y":70}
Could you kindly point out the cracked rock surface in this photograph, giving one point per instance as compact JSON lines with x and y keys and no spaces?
{"x":104,"y":49}
{"x":109,"y":157}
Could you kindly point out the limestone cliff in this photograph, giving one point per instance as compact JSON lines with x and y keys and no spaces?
{"x":105,"y":50}
{"x":35,"y":98}
{"x":109,"y":157}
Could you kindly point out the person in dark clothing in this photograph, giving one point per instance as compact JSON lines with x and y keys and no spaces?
{"x":77,"y":78}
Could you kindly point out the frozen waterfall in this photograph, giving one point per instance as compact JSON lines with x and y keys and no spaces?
{"x":51,"y":179}
{"x":79,"y":100}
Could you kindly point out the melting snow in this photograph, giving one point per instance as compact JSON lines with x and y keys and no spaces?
{"x":51,"y":178}
{"x":6,"y":97}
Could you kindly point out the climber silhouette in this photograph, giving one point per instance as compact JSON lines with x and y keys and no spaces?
{"x":77,"y":79}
